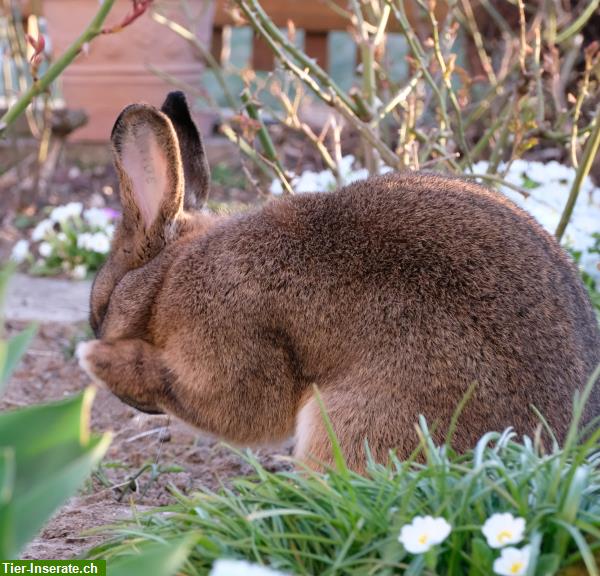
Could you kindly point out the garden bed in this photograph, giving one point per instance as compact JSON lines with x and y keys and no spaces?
{"x":182,"y":457}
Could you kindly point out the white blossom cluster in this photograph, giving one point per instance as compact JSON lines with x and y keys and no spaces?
{"x":70,"y":239}
{"x":500,"y":530}
{"x":325,"y":181}
{"x":420,"y":537}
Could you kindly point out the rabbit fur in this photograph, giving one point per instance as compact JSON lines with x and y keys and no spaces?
{"x":392,"y":296}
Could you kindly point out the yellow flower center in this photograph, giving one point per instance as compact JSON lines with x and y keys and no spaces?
{"x":504,"y":536}
{"x":423,"y":539}
{"x":516,"y":567}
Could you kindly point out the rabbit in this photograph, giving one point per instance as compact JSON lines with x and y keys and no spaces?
{"x":389,"y":298}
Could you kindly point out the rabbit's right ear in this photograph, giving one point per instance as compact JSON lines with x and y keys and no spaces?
{"x":195,"y":165}
{"x":148,"y":163}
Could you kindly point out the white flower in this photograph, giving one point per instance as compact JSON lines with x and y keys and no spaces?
{"x":61,"y":237}
{"x":74,"y":172}
{"x":276,"y":187}
{"x":503,"y":529}
{"x":20,"y":251}
{"x":310,"y":181}
{"x":241,"y":568}
{"x":45,"y":249}
{"x":97,"y":217}
{"x":346,"y":164}
{"x":100,"y":243}
{"x":423,"y":533}
{"x":83,"y":241}
{"x":110,"y":230}
{"x":356,"y":175}
{"x":96,"y":242}
{"x":512,"y":561}
{"x":70,"y":210}
{"x":43,"y":228}
{"x":79,"y":272}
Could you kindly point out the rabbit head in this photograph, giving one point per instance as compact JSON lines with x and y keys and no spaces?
{"x":164,"y":180}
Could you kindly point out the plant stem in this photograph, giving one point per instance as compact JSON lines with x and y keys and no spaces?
{"x":94,"y":29}
{"x":576,"y":26}
{"x":589,"y":153}
{"x":204,"y":53}
{"x":313,"y":76}
{"x":236,"y":139}
{"x":261,"y":23}
{"x":265,"y":140}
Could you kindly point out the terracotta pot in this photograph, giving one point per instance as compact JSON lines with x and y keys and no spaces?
{"x":118,"y":68}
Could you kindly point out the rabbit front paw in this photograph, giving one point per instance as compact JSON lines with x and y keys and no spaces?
{"x":85,"y":354}
{"x":131,"y":369}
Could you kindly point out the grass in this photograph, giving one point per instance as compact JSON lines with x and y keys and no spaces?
{"x":303,"y":522}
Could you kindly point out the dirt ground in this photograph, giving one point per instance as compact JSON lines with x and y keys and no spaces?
{"x":185,"y":458}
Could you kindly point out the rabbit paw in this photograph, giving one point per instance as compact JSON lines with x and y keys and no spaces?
{"x":84,"y":353}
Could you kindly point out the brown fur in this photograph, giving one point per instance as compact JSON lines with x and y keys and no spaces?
{"x":392,"y":295}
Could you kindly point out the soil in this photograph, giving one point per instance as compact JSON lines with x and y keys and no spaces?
{"x":187,"y":459}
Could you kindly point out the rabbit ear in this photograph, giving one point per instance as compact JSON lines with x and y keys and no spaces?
{"x":148,"y":163}
{"x":195,"y":165}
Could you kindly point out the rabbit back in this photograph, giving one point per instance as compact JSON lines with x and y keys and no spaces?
{"x":402,"y":291}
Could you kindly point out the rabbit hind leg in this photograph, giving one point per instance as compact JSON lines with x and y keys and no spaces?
{"x":359,"y":418}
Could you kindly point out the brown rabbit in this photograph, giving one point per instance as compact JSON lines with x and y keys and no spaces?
{"x":392,"y":295}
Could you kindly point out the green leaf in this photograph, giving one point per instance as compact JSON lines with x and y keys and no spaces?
{"x":7,"y":482}
{"x":32,"y":430}
{"x":583,"y":546}
{"x":416,"y":566}
{"x":577,"y":488}
{"x":7,"y":474}
{"x":481,"y":558}
{"x":53,"y":454}
{"x":548,"y":564}
{"x":157,"y":558}
{"x":338,"y":455}
{"x":12,"y":351}
{"x":52,"y":489}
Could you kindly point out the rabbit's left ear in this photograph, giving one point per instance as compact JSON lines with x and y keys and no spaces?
{"x":146,"y":155}
{"x":195,"y":166}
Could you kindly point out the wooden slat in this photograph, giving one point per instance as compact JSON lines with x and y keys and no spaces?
{"x":262,"y":55}
{"x":216,"y":44}
{"x":316,"y":16}
{"x":308,"y":14}
{"x":315,"y":45}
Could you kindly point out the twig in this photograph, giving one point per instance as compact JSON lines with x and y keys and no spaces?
{"x":583,"y":92}
{"x":478,"y":41}
{"x":576,"y":26}
{"x":265,"y":140}
{"x":497,"y":180}
{"x":589,"y":153}
{"x":522,"y":36}
{"x":94,"y":29}
{"x":259,"y":20}
{"x":204,"y":53}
